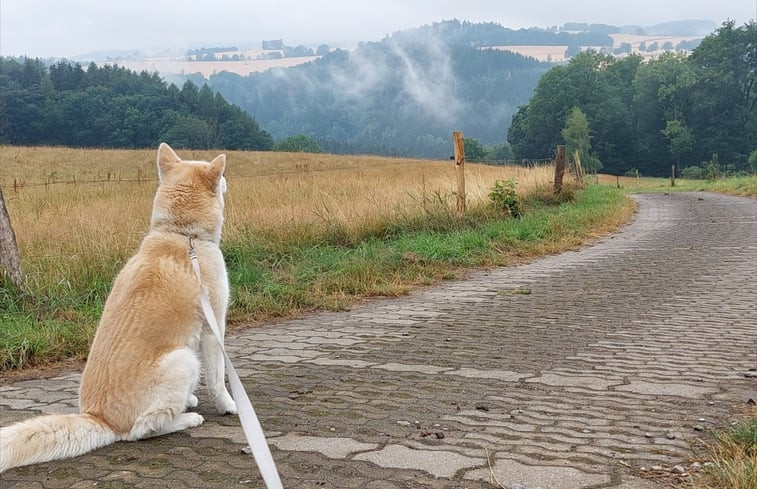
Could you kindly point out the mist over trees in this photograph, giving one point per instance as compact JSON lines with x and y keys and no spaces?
{"x":112,"y":107}
{"x":647,"y":116}
{"x":403,"y":95}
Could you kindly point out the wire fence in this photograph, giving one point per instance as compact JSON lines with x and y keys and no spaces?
{"x":22,"y":184}
{"x":19,"y":186}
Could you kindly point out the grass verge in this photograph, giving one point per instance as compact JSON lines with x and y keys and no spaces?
{"x":740,"y":186}
{"x":731,"y":461}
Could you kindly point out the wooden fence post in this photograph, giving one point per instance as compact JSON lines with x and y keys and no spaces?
{"x":579,"y":169}
{"x":457,"y":138}
{"x":9,"y":258}
{"x":559,"y":167}
{"x":673,"y":176}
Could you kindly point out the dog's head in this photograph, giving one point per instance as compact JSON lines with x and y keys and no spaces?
{"x":189,"y":200}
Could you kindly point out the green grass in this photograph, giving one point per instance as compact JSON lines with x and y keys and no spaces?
{"x":745,"y":186}
{"x":732,"y":457}
{"x":27,"y":340}
{"x":274,"y":276}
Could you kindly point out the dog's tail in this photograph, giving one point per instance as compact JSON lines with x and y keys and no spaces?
{"x":52,"y":437}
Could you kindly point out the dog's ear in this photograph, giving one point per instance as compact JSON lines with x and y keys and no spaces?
{"x":217,"y":167}
{"x":167,"y":159}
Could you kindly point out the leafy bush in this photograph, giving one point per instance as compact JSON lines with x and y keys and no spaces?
{"x":712,"y":170}
{"x":693,"y":172}
{"x":299,"y":144}
{"x":505,"y":198}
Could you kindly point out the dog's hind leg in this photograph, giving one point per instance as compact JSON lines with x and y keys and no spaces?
{"x":175,"y":380}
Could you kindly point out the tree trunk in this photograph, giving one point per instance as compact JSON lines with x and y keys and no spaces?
{"x":9,"y":258}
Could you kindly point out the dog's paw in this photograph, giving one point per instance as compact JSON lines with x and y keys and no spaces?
{"x":192,"y":401}
{"x":225,"y":404}
{"x":192,"y":420}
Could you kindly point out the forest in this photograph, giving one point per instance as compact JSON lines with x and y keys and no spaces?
{"x":112,"y":107}
{"x":485,"y":34}
{"x":403,"y":95}
{"x":690,"y":111}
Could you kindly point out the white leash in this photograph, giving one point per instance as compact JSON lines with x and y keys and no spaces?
{"x":247,"y":417}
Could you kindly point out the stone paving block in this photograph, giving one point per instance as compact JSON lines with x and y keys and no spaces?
{"x":668,"y":389}
{"x":503,"y":375}
{"x":586,"y":381}
{"x":399,"y":367}
{"x":436,"y":463}
{"x":344,"y":363}
{"x":509,"y":472}
{"x":330,"y":447}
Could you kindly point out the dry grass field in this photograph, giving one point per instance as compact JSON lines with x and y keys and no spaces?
{"x":557,"y":53}
{"x":74,"y":205}
{"x":207,"y":68}
{"x":179,"y":65}
{"x":635,"y":40}
{"x":542,"y":53}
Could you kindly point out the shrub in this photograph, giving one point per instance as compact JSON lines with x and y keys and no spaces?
{"x":504,"y":197}
{"x":299,"y":144}
{"x":753,"y":161}
{"x":693,"y":172}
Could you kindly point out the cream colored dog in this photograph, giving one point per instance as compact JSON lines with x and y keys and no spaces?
{"x":144,"y":363}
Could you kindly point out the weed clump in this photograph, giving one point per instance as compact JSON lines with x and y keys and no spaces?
{"x":505,"y":198}
{"x":733,"y":457}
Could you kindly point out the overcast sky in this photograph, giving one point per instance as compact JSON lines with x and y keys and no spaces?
{"x":67,"y":28}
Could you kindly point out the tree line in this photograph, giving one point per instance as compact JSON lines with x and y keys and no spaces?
{"x":485,"y":34}
{"x":113,"y":107}
{"x":405,"y":95}
{"x":676,"y":109}
{"x":402,"y":96}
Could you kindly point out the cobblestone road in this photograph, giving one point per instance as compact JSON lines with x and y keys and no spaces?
{"x":590,"y":369}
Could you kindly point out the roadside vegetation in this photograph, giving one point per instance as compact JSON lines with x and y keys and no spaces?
{"x":743,"y":186}
{"x":731,"y":459}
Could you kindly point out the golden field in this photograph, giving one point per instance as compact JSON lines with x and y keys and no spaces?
{"x":207,"y":68}
{"x":73,"y":205}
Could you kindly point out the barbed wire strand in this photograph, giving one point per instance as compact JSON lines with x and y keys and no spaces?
{"x":529,"y":163}
{"x":20,"y":185}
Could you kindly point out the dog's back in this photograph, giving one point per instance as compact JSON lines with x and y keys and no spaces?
{"x":152,"y":310}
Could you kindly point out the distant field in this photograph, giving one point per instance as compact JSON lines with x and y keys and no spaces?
{"x":635,"y":41}
{"x":207,"y":68}
{"x":542,"y":53}
{"x":245,"y":67}
{"x":557,"y":53}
